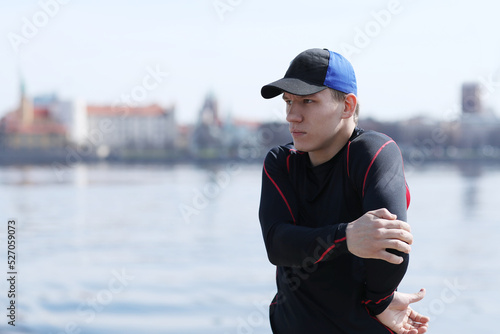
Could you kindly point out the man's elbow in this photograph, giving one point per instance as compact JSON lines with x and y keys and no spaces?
{"x":272,"y":256}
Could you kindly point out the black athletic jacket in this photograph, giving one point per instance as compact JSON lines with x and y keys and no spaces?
{"x":304,"y":211}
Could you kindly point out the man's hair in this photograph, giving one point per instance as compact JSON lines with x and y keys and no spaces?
{"x":340,"y":96}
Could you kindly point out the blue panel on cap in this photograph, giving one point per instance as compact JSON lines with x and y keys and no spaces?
{"x":340,"y":74}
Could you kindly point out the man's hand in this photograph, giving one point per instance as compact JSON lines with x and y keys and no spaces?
{"x":370,"y":235}
{"x":399,"y":316}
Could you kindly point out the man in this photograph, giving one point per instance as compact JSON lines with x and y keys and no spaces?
{"x":333,"y":210}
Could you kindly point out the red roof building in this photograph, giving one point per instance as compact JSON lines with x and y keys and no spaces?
{"x":132,"y":128}
{"x":31,"y":128}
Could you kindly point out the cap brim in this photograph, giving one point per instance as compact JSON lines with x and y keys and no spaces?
{"x":289,"y":85}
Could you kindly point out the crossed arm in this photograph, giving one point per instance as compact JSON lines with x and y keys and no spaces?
{"x":382,"y":234}
{"x":368,"y":237}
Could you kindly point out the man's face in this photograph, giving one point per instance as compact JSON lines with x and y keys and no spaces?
{"x":314,"y":121}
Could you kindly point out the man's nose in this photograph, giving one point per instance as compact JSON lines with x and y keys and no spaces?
{"x":293,"y":115}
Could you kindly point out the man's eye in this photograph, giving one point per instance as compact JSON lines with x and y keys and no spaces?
{"x":289,"y":102}
{"x":308,"y":101}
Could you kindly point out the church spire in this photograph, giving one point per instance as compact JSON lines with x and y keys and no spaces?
{"x":22,"y":86}
{"x":25,"y":111}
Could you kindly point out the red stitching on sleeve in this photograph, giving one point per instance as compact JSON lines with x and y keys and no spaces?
{"x":371,"y":163}
{"x":281,"y":193}
{"x":330,"y":248}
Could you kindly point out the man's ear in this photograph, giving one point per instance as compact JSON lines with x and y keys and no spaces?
{"x":349,"y":105}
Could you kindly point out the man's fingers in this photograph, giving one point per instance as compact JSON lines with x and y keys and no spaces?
{"x":401,"y":235}
{"x":396,"y":224}
{"x":422,"y":330}
{"x":418,"y":296}
{"x":374,"y":232}
{"x":418,"y":319}
{"x":410,"y":331}
{"x":383,"y":213}
{"x":391,"y":258}
{"x":413,"y":329}
{"x":397,"y":245}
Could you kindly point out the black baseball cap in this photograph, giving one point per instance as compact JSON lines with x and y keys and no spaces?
{"x":313,"y":71}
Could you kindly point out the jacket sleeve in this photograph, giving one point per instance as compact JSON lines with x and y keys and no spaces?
{"x":381,"y":183}
{"x":287,"y":243}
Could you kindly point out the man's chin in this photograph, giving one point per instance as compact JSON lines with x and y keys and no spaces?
{"x":300,"y":147}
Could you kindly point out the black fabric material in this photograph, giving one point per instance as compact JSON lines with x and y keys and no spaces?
{"x":304,"y":211}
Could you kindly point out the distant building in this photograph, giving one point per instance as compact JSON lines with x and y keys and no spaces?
{"x":471,"y":98}
{"x":31,"y":127}
{"x":133,"y":128}
{"x":73,"y":115}
{"x":207,"y":139}
{"x":477,"y":124}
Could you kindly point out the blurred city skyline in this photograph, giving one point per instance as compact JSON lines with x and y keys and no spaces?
{"x":411,"y":57}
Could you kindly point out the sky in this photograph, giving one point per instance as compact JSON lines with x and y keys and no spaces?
{"x":410,"y":56}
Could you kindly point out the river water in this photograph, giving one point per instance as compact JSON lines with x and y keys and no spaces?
{"x":178,"y":249}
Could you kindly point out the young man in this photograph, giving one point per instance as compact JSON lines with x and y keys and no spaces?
{"x":333,"y":210}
